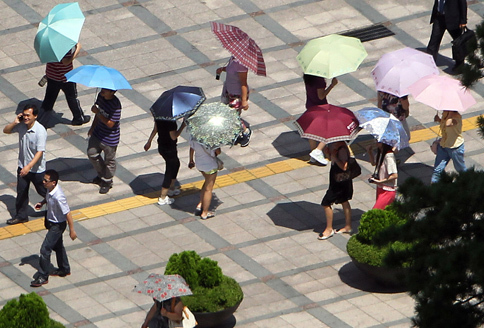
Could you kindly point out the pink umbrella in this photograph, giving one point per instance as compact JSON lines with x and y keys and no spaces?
{"x":241,"y":46}
{"x":397,"y":70}
{"x":442,"y":93}
{"x":327,"y":123}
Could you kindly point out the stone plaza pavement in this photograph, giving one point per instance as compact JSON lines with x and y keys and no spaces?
{"x":267,"y":200}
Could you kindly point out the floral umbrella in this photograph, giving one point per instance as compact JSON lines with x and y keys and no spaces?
{"x":385,"y":127}
{"x":214,"y":125}
{"x":163,"y":287}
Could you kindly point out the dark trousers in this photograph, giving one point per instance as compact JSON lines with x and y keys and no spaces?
{"x":438,"y":29}
{"x":70,"y":91}
{"x":23,"y":184}
{"x":172,"y":166}
{"x":53,"y":242}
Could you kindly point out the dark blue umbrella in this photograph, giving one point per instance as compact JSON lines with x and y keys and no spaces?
{"x":178,"y":102}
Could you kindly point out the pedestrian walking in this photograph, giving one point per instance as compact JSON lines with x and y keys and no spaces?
{"x":168,"y":134}
{"x":104,"y":137}
{"x":31,"y":159}
{"x":316,"y":92}
{"x":235,"y":93}
{"x":385,"y":175}
{"x":451,"y":146}
{"x":447,"y":15}
{"x":339,"y":191}
{"x":397,"y":106}
{"x":56,"y":81}
{"x":57,"y":217}
{"x":206,"y":162}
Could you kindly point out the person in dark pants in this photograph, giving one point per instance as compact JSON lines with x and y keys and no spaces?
{"x":57,"y":217}
{"x":104,"y":137}
{"x":450,"y":15}
{"x":31,"y":159}
{"x":167,"y":139}
{"x":56,"y":81}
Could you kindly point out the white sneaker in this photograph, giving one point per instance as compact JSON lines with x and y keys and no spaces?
{"x":165,"y":201}
{"x":174,"y":192}
{"x":318,"y":155}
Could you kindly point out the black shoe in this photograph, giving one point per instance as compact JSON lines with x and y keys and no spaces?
{"x":17,"y":221}
{"x":60,"y":273}
{"x":245,"y":140}
{"x":79,"y":121}
{"x":39,"y":282}
{"x":97,"y":180}
{"x":105,"y":186}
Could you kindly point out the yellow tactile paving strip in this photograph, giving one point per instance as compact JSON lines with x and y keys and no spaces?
{"x":222,"y":181}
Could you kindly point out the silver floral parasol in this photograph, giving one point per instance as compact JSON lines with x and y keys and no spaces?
{"x":214,"y":125}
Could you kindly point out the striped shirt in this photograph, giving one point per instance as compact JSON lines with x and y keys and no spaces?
{"x":57,"y":71}
{"x":111,"y":109}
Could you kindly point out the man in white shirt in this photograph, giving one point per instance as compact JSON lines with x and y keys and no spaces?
{"x":57,"y":217}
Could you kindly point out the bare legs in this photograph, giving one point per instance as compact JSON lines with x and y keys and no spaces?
{"x":206,"y":193}
{"x":164,"y":191}
{"x":328,"y":211}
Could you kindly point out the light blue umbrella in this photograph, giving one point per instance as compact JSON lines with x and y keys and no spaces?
{"x":58,"y":32}
{"x":99,"y":77}
{"x":385,"y":127}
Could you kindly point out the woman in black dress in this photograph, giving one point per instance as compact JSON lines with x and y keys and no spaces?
{"x":340,"y":191}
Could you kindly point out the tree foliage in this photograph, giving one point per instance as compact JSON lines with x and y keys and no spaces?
{"x":445,"y":227}
{"x":472,"y":71}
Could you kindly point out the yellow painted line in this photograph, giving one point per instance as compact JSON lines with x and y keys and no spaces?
{"x":222,"y":181}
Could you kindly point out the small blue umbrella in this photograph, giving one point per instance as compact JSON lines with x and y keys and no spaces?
{"x":99,"y":77}
{"x":177,"y":102}
{"x":58,"y":32}
{"x":385,"y":127}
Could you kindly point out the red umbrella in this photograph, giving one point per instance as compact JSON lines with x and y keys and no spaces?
{"x":327,"y":123}
{"x":241,"y":46}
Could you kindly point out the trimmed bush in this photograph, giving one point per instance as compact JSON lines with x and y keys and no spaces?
{"x":363,"y":247}
{"x":29,"y":311}
{"x":212,"y":291}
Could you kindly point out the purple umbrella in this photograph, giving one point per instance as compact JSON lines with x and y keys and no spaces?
{"x":397,"y":70}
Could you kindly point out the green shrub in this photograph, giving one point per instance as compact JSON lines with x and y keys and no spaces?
{"x":29,"y":311}
{"x":56,"y":324}
{"x":375,"y":221}
{"x":362,"y":246}
{"x":212,"y":291}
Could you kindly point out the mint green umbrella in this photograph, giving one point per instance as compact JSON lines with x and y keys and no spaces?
{"x":332,"y":55}
{"x":58,"y":32}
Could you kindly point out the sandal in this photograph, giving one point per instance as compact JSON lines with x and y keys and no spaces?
{"x":198,"y":211}
{"x":209,"y":215}
{"x":340,"y":231}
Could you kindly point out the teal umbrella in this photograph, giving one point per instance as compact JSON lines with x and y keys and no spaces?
{"x":58,"y":32}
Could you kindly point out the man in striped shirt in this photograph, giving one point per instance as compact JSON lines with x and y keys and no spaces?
{"x":57,"y":81}
{"x":104,"y":137}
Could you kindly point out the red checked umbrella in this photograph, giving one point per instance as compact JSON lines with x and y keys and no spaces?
{"x":241,"y":46}
{"x":163,"y":287}
{"x":327,"y":123}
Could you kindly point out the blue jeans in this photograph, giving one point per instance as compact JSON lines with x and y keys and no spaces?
{"x":53,"y":242}
{"x":444,"y":155}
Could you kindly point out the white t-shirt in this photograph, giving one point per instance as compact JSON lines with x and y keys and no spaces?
{"x":205,"y":159}
{"x":388,"y":167}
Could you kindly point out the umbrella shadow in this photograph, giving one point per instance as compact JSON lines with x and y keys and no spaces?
{"x":290,"y":144}
{"x":146,"y":183}
{"x":354,"y":277}
{"x":70,"y":169}
{"x":416,"y":170}
{"x":303,"y":215}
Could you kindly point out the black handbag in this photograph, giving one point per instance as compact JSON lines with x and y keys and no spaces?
{"x":460,"y":44}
